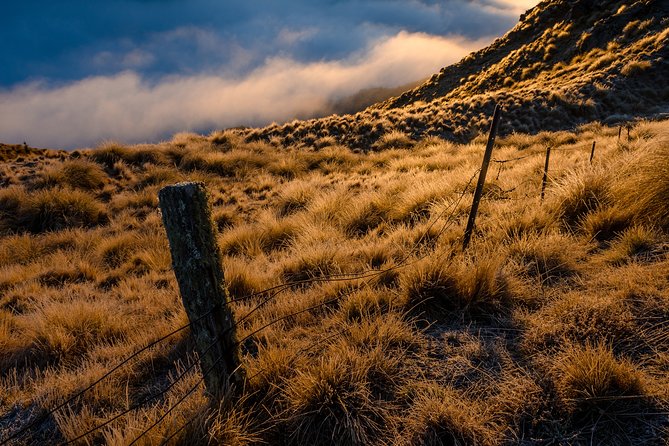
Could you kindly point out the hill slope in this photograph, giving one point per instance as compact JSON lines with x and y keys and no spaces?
{"x":567,"y":62}
{"x":551,"y":329}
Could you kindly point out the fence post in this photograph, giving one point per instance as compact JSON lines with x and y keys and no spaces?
{"x":484,"y":170}
{"x":592,"y":152}
{"x":545,"y":178}
{"x":197,"y":267}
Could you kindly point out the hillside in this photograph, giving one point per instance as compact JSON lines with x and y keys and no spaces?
{"x":360,"y":319}
{"x":566,"y":63}
{"x":550,"y":329}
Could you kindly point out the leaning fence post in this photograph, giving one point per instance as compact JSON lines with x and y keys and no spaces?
{"x":197,"y":267}
{"x":484,"y":170}
{"x":592,"y":152}
{"x":545,"y":178}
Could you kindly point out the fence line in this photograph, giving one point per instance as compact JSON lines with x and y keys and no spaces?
{"x":275,"y":291}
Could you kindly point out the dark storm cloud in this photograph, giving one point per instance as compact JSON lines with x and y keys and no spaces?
{"x":75,"y":72}
{"x":68,"y":40}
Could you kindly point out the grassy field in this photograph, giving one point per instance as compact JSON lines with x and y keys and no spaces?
{"x":551,"y":329}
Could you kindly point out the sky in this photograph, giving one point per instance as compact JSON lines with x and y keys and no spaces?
{"x":76,"y":73}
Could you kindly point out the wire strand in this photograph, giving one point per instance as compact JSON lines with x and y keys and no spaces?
{"x":50,"y":412}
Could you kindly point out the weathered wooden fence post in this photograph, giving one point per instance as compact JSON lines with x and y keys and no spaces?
{"x":484,"y":170}
{"x":592,"y":152}
{"x":197,"y":267}
{"x":545,"y":178}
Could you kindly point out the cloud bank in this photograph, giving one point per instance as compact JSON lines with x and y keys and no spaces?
{"x":138,"y":70}
{"x":124,"y":106}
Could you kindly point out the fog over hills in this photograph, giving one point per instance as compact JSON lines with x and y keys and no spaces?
{"x":567,"y":62}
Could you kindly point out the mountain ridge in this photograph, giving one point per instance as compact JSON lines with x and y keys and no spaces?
{"x":566,"y":63}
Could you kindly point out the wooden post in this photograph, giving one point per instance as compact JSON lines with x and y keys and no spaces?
{"x":197,"y":267}
{"x":484,"y":170}
{"x":592,"y":152}
{"x":545,"y":178}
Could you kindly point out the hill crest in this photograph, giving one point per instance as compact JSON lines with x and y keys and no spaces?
{"x":566,"y":63}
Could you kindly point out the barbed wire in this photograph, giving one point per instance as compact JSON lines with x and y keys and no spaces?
{"x":144,"y":401}
{"x":50,"y":412}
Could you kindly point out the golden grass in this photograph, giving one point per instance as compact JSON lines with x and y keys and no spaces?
{"x":552,"y":325}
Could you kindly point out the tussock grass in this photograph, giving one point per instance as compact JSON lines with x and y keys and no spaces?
{"x":77,"y":174}
{"x":643,"y":184}
{"x":439,"y":416}
{"x":335,"y":403}
{"x":551,"y":326}
{"x":466,"y":289}
{"x":599,"y":391}
{"x":48,"y":210}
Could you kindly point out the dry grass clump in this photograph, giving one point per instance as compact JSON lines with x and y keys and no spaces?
{"x":643,"y":184}
{"x":441,"y":416}
{"x":599,"y":390}
{"x":233,"y":426}
{"x":549,"y":258}
{"x":578,"y":194}
{"x":311,"y":263}
{"x":635,"y":67}
{"x":110,"y":153}
{"x":268,"y":235}
{"x":393,"y":140}
{"x":334,"y":401}
{"x":366,"y":303}
{"x":366,"y":214}
{"x":582,"y":316}
{"x":77,"y":174}
{"x":637,"y":243}
{"x":606,"y":223}
{"x":48,"y":210}
{"x":116,"y":250}
{"x":447,"y":290}
{"x":294,"y":197}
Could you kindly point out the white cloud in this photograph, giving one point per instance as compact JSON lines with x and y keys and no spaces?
{"x":126,"y":108}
